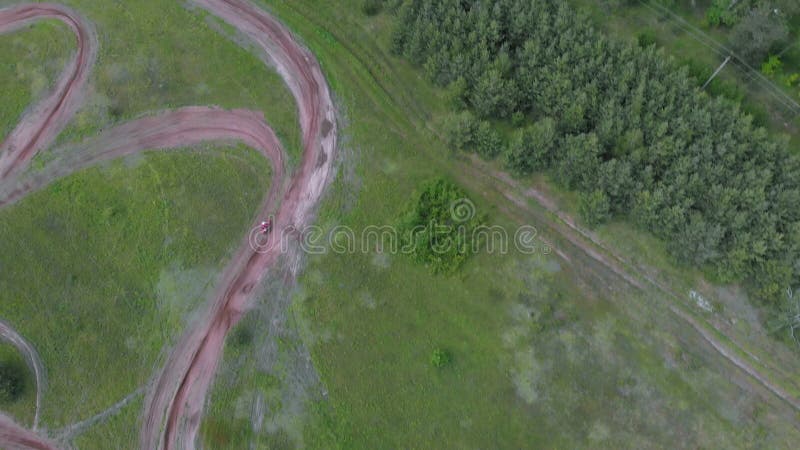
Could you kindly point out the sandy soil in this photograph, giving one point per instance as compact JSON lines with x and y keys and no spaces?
{"x":175,"y":403}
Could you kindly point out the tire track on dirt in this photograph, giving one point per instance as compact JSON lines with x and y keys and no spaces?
{"x":39,"y":127}
{"x":174,"y":406}
{"x":178,"y":399}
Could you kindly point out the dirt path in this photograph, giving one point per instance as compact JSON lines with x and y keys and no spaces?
{"x":168,"y":130}
{"x":174,"y":405}
{"x":39,"y":127}
{"x":68,"y":433}
{"x":15,"y":437}
{"x":589,"y":246}
{"x":174,"y":408}
{"x":8,"y":334}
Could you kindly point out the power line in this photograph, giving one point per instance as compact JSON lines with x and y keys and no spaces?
{"x":723,"y":51}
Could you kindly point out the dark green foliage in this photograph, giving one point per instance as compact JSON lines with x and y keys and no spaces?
{"x":441,"y":358}
{"x":629,"y":123}
{"x":12,"y":381}
{"x":646,"y":38}
{"x":720,"y":12}
{"x":760,"y":31}
{"x":461,"y":130}
{"x":438,"y":227}
{"x":488,"y":142}
{"x":531,"y":148}
{"x":371,"y":7}
{"x":595,"y":207}
{"x":456,"y":93}
{"x":731,"y":12}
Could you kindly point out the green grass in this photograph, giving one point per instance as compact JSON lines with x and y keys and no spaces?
{"x":156,"y":55}
{"x":545,"y":354}
{"x":101,"y":269}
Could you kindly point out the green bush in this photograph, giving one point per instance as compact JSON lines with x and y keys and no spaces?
{"x":488,"y":142}
{"x":531,"y":148}
{"x":438,"y":227}
{"x":441,"y":358}
{"x":460,"y":130}
{"x":772,"y":65}
{"x":595,"y":208}
{"x":646,"y":38}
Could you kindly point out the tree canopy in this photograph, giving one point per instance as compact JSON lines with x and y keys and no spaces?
{"x":623,"y":124}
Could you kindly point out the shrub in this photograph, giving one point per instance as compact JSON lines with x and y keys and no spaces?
{"x":771,"y":65}
{"x":438,"y":227}
{"x":460,"y":130}
{"x":488,"y":142}
{"x":646,"y":38}
{"x":441,"y":358}
{"x":531,"y":148}
{"x":595,"y":208}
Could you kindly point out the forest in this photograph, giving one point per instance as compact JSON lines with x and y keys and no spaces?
{"x":621,"y":123}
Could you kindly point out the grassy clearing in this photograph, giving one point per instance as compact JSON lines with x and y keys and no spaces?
{"x":119,"y":431}
{"x":156,"y":55}
{"x":101,"y":269}
{"x":32,"y":59}
{"x":544,"y":354}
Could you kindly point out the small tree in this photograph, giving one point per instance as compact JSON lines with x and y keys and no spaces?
{"x":771,"y":65}
{"x":438,"y":227}
{"x":761,"y":30}
{"x":790,"y":317}
{"x":441,"y":358}
{"x":595,"y":207}
{"x":460,"y":130}
{"x":488,"y":142}
{"x":530,"y":149}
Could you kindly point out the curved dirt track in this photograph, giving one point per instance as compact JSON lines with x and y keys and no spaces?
{"x":180,"y":391}
{"x":15,"y":437}
{"x":41,"y":125}
{"x":171,"y":129}
{"x":174,"y":405}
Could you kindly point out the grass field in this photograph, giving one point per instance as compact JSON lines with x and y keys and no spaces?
{"x":544,"y":353}
{"x":102,"y":270}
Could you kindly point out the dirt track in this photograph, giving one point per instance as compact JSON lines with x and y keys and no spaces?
{"x":44,"y":122}
{"x":174,"y":405}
